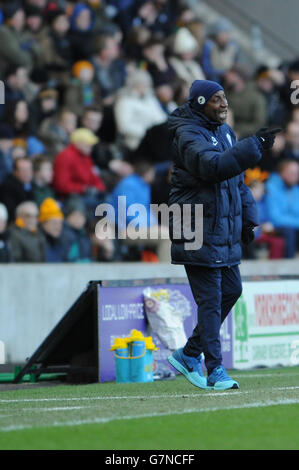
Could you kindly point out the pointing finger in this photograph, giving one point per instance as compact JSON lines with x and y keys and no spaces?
{"x":276,"y":130}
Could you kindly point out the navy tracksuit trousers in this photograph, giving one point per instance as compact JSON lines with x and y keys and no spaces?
{"x":215,"y":291}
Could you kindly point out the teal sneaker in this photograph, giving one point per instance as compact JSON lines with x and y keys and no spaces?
{"x":219,"y":380}
{"x":189,"y":366}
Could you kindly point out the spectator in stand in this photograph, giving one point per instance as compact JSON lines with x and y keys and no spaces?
{"x":35,"y":28}
{"x":17,"y":115}
{"x":5,"y":250}
{"x":282,"y":203}
{"x":101,"y":154}
{"x":246,"y":101}
{"x":92,"y":118}
{"x":17,"y":187}
{"x":156,"y":62}
{"x":82,"y":90}
{"x":6,"y":143}
{"x":291,"y":150}
{"x":184,"y":59}
{"x":44,"y":106}
{"x":110,"y":69}
{"x":14,"y":84}
{"x":42,"y":179}
{"x":157,"y":15}
{"x":26,"y":241}
{"x":13,"y":49}
{"x":135,"y":41}
{"x":55,"y":131}
{"x":42,"y":4}
{"x":19,"y":149}
{"x":110,"y":75}
{"x":268,"y":81}
{"x":137,"y":109}
{"x":51,"y":220}
{"x":165,"y":94}
{"x":75,"y":173}
{"x":155,"y":146}
{"x":81,"y":32}
{"x":220,"y":52}
{"x":34,"y":31}
{"x":56,"y":47}
{"x":197,"y":28}
{"x":295,"y":113}
{"x":75,"y":239}
{"x":40,"y":79}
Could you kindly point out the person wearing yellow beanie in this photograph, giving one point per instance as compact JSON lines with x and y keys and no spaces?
{"x":51,"y":221}
{"x":50,"y":209}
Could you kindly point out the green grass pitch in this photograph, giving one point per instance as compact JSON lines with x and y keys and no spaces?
{"x":169,"y":415}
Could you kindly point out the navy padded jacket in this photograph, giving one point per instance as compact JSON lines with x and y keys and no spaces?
{"x":208,"y":169}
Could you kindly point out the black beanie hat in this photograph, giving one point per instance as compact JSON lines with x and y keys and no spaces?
{"x":10,"y":9}
{"x":201,"y":91}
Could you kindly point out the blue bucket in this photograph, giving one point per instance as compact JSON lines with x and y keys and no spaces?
{"x":149,"y":366}
{"x":137,"y":362}
{"x":122,"y":360}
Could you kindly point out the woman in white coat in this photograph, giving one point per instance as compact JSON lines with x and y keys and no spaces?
{"x":137,"y":109}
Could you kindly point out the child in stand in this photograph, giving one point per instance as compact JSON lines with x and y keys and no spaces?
{"x":82,"y":90}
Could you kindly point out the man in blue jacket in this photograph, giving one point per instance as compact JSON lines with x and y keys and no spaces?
{"x":208,"y":169}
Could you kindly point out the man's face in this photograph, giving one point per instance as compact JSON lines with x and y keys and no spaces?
{"x":216,"y":107}
{"x":69,"y":122}
{"x":24,"y":171}
{"x":111,"y":50}
{"x":292,"y":135}
{"x":19,"y":79}
{"x":53,"y":227}
{"x":34,"y":22}
{"x":92,"y":120}
{"x":18,"y":20}
{"x":84,"y":148}
{"x":61,"y":25}
{"x":30,"y":217}
{"x":45,"y":173}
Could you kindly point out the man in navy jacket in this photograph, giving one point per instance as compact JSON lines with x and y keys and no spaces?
{"x":208,"y":170}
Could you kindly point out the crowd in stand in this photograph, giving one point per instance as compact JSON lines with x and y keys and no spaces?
{"x":88,"y":87}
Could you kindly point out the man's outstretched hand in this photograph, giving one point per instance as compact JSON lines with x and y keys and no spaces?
{"x":266,"y":136}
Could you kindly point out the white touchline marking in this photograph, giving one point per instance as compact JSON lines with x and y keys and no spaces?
{"x":202,"y":394}
{"x":124,"y":397}
{"x":244,"y":376}
{"x":153,"y":415}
